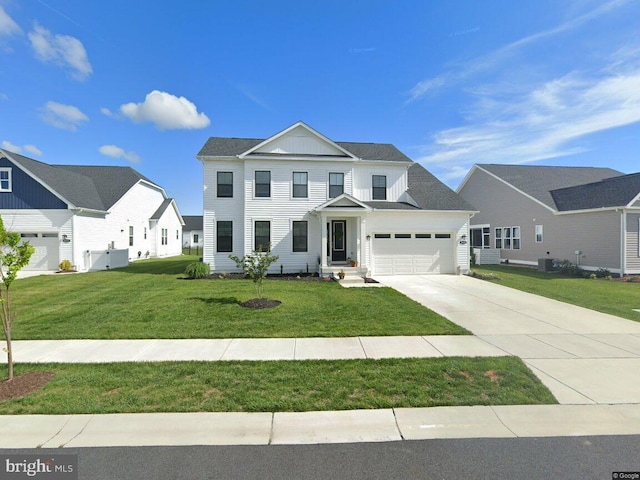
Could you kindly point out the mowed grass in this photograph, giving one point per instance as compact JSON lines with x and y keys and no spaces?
{"x":280,"y":386}
{"x":607,"y":296}
{"x":152,"y":299}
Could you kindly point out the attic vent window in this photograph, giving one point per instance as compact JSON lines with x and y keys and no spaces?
{"x":5,"y":179}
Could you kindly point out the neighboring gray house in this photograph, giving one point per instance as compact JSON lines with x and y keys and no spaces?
{"x":323,"y":205}
{"x":590,"y":216}
{"x":192,"y":236}
{"x":89,"y":215}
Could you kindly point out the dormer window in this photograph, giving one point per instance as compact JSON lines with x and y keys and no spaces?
{"x":5,"y":179}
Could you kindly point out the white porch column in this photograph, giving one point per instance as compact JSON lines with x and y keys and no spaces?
{"x":324,"y":242}
{"x":362,"y":247}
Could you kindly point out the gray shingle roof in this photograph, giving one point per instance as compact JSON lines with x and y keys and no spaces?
{"x":538,"y":181}
{"x":192,"y":222}
{"x":431,"y":194}
{"x":161,"y":209}
{"x":229,"y":147}
{"x":382,"y":205}
{"x":612,"y":192}
{"x":93,"y":187}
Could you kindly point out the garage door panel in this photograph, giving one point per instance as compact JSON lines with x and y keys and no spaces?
{"x":403,"y":256}
{"x":46,"y":254}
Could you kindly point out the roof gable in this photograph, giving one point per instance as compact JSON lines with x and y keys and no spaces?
{"x":344,"y":201}
{"x":192,"y":222}
{"x":89,"y":187}
{"x":299,"y":140}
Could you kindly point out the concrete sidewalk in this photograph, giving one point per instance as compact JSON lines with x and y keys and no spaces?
{"x":155,"y":429}
{"x":107,"y":351}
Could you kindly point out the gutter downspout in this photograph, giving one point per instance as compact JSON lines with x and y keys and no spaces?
{"x":623,"y":242}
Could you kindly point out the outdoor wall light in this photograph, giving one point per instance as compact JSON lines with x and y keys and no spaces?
{"x":65,"y":238}
{"x":463,"y":240}
{"x":368,"y":237}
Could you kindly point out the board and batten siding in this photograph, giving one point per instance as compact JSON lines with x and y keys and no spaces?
{"x":27,"y":193}
{"x":300,"y":140}
{"x":396,"y":181}
{"x":632,"y":243}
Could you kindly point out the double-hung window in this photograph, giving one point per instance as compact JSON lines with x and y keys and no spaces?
{"x":130,"y":236}
{"x":300,"y":237}
{"x":336,"y":184}
{"x":539,"y":237}
{"x":300,"y":185}
{"x":224,"y":236}
{"x":379,"y":187}
{"x":225,"y":185}
{"x":508,"y":238}
{"x":498,"y":237}
{"x":263,"y":183}
{"x":5,"y":179}
{"x":262,"y":235}
{"x":164,"y":240}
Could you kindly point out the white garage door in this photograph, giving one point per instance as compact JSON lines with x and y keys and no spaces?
{"x":47,"y":254}
{"x":413,"y":253}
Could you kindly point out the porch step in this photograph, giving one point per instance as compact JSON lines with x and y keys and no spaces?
{"x":350,"y":279}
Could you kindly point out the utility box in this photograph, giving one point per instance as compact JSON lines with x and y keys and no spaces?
{"x":545,"y":264}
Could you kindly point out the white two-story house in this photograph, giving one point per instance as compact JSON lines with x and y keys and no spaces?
{"x":322,"y":205}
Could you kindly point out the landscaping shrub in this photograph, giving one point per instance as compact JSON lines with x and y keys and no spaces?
{"x":197,"y":270}
{"x":65,"y":266}
{"x":603,"y":273}
{"x":565,"y":267}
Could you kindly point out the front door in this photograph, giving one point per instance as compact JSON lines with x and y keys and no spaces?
{"x":338,"y":241}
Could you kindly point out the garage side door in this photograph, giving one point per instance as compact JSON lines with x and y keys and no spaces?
{"x":413,"y":253}
{"x":47,"y":254}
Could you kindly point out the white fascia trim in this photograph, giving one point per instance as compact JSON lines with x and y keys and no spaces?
{"x":287,"y":130}
{"x":70,"y":205}
{"x":288,"y":157}
{"x":342,"y":197}
{"x":553,"y":210}
{"x":590,"y":210}
{"x":635,"y":199}
{"x":467,"y":177}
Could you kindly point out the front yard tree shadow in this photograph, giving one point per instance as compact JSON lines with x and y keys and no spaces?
{"x":255,"y":266}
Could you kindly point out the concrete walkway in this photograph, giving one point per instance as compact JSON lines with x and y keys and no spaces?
{"x":589,"y":360}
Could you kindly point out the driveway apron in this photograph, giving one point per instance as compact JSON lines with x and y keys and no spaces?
{"x":582,"y":356}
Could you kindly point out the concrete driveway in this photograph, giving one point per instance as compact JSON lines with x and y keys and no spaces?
{"x":582,"y":356}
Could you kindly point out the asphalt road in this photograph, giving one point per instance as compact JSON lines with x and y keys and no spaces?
{"x":571,"y":458}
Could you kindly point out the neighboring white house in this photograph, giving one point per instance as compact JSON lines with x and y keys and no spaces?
{"x":192,"y":234}
{"x":321,"y":204}
{"x":86,"y":214}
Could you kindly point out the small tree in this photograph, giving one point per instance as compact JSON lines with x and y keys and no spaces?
{"x":14,"y":255}
{"x":255,"y":266}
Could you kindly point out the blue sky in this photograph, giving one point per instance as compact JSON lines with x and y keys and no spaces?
{"x":450,"y":83}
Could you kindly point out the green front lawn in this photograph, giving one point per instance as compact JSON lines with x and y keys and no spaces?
{"x":607,"y":296}
{"x":280,"y":386}
{"x":151,"y":299}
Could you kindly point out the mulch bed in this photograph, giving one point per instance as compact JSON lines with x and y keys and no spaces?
{"x":260,"y":303}
{"x":23,"y":385}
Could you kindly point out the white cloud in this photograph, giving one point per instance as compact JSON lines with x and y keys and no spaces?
{"x":458,"y":73}
{"x":7,"y":145}
{"x":166,"y":111}
{"x":108,"y":113}
{"x":4,"y":96}
{"x":542,"y":123}
{"x":33,"y":150}
{"x":66,"y":117}
{"x":8,"y":26}
{"x":62,"y":50}
{"x":117,"y":152}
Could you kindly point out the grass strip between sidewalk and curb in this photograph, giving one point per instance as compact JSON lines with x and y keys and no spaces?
{"x":276,"y":386}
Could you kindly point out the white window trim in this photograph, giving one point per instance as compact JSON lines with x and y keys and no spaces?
{"x":253,"y":181}
{"x":292,"y":186}
{"x":510,"y":238}
{"x":305,"y":252}
{"x":10,"y":188}
{"x":535,"y":234}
